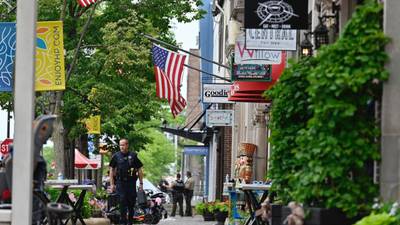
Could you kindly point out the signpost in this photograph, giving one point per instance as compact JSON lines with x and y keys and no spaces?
{"x":244,"y":55}
{"x":219,"y":118}
{"x":215,"y":93}
{"x":271,"y":39}
{"x":276,"y":14}
{"x":4,"y":149}
{"x":252,"y":72}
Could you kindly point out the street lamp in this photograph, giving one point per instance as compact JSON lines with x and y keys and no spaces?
{"x":321,"y":36}
{"x":306,"y":48}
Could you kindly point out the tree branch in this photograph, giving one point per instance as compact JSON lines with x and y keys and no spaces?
{"x":85,"y":28}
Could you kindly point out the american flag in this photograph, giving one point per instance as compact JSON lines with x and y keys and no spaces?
{"x":168,"y":68}
{"x":85,"y":3}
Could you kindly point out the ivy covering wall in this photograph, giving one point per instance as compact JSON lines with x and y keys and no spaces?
{"x":323,"y":133}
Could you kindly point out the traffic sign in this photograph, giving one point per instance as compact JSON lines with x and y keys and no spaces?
{"x":4,"y":146}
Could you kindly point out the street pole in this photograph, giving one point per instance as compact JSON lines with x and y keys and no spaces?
{"x":24,"y":112}
{"x":8,"y":123}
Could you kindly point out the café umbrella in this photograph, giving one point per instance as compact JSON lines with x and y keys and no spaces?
{"x":82,"y":162}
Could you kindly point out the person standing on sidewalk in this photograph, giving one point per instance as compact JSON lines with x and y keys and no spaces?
{"x":178,"y":187}
{"x":189,"y":187}
{"x":125,"y":168}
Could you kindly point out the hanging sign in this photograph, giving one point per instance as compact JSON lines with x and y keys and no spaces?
{"x":50,"y":67}
{"x":251,"y":72}
{"x":243,"y":55}
{"x":270,"y":39}
{"x":7,"y":54}
{"x":276,"y":14}
{"x":215,"y":93}
{"x":195,"y":150}
{"x":219,"y":118}
{"x":50,"y":71}
{"x":93,"y":125}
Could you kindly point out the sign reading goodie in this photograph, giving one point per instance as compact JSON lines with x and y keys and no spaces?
{"x":276,"y":14}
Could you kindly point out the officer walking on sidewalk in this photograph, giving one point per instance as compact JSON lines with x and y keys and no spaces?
{"x":125,"y":168}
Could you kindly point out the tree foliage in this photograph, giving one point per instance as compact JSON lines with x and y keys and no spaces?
{"x":157,"y":157}
{"x":289,"y":114}
{"x":114,"y":73}
{"x":327,"y":156}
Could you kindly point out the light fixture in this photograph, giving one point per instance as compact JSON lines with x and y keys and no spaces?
{"x":321,"y":36}
{"x":306,"y":48}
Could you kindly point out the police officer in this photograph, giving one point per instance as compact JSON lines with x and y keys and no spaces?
{"x":125,"y":167}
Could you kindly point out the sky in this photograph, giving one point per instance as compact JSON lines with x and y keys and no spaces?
{"x":186,"y":34}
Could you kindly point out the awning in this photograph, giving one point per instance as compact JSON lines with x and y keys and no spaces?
{"x":244,"y":91}
{"x":82,"y":162}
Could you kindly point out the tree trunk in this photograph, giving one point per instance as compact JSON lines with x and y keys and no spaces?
{"x":58,"y":136}
{"x":69,"y":157}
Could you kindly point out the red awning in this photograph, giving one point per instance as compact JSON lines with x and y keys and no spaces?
{"x":82,"y":162}
{"x":244,"y":91}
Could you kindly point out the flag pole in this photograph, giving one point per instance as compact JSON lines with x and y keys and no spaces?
{"x":213,"y":75}
{"x":182,"y":50}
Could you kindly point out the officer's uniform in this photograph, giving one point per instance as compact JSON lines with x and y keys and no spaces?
{"x":126,"y":166}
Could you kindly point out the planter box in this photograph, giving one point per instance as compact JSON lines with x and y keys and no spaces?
{"x":208,"y":216}
{"x":220,"y":217}
{"x":276,"y":214}
{"x":321,"y":216}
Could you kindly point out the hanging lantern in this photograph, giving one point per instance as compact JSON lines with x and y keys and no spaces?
{"x":321,"y":36}
{"x":306,"y":48}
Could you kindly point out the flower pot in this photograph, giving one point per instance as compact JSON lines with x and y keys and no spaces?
{"x":220,"y":217}
{"x":276,"y":214}
{"x":208,"y":216}
{"x":248,"y":172}
{"x":321,"y":216}
{"x":247,"y":148}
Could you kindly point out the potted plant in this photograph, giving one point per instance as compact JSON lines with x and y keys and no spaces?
{"x":206,"y":209}
{"x":221,"y":210}
{"x":323,"y":128}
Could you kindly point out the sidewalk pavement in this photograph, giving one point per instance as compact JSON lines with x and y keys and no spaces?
{"x":177,"y":220}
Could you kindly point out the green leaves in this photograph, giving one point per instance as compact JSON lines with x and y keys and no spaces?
{"x":320,"y":148}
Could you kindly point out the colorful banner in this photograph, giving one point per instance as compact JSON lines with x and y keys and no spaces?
{"x":50,"y":66}
{"x":93,"y":125}
{"x":50,"y":69}
{"x":7,"y":52}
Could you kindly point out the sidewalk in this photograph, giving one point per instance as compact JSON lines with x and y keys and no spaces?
{"x":177,"y":220}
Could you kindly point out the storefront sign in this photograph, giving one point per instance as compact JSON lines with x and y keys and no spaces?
{"x":251,"y":72}
{"x":219,"y":118}
{"x":270,"y":39}
{"x":195,"y":150}
{"x":243,"y":55}
{"x":276,"y":14}
{"x":215,"y":93}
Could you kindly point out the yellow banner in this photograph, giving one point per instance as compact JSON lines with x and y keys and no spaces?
{"x":50,"y":68}
{"x":93,"y":125}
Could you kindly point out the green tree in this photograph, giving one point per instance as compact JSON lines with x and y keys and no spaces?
{"x":158,"y":156}
{"x":109,"y":68}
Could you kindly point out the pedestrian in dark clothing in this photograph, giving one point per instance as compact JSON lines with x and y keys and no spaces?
{"x":178,"y":188}
{"x":189,"y":187}
{"x":125,"y":168}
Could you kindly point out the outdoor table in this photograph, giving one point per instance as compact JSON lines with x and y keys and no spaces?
{"x":65,"y":186}
{"x":254,"y":203}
